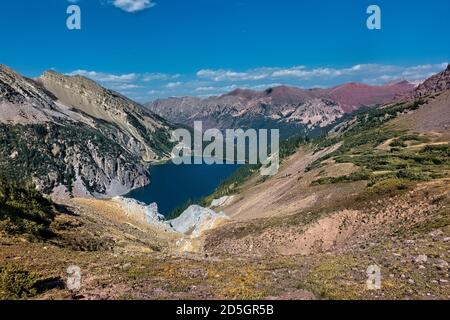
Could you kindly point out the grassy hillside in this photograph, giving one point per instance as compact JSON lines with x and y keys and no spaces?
{"x":387,"y":156}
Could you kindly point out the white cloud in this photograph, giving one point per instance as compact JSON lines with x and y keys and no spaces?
{"x":207,"y":82}
{"x":133,"y":5}
{"x":127,"y":86}
{"x":172,"y":85}
{"x":147,"y":77}
{"x":264,"y":86}
{"x":228,"y":75}
{"x":104,"y":77}
{"x":205,"y":89}
{"x":359,"y":72}
{"x":216,"y":90}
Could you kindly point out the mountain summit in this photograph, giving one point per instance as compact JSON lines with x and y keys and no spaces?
{"x":88,"y":98}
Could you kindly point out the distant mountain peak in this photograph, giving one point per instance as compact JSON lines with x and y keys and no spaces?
{"x":399,"y":82}
{"x":354,"y":95}
{"x":243,"y":93}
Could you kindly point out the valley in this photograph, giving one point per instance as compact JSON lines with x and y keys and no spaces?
{"x":373,"y":190}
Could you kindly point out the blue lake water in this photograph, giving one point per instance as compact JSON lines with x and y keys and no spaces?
{"x":173,"y":185}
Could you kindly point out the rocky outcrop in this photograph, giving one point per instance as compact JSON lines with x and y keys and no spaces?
{"x":23,"y":100}
{"x":195,"y":220}
{"x":140,"y":211}
{"x":221,"y":201}
{"x":16,"y":89}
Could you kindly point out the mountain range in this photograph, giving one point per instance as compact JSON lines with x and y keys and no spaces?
{"x":293,"y":110}
{"x":72,"y":137}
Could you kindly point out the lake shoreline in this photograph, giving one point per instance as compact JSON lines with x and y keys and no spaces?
{"x":172,"y":185}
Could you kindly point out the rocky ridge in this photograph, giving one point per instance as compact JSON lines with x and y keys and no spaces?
{"x":138,"y":126}
{"x":291,"y":109}
{"x":435,"y":84}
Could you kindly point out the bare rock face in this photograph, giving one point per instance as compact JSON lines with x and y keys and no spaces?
{"x":72,"y":155}
{"x":70,"y":135}
{"x":314,"y":113}
{"x":221,"y":201}
{"x":87,"y":97}
{"x":16,"y":89}
{"x":23,"y":100}
{"x":436,"y":84}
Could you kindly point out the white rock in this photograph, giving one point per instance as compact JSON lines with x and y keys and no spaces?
{"x":221,"y":201}
{"x":140,"y":211}
{"x":436,"y":233}
{"x":14,"y":154}
{"x":421,"y":258}
{"x":442,"y":264}
{"x":195,"y":220}
{"x":152,"y":214}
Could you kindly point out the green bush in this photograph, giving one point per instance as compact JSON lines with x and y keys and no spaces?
{"x":24,"y":211}
{"x":389,"y":187}
{"x":356,"y":176}
{"x":16,"y":283}
{"x":290,"y":146}
{"x":412,"y":174}
{"x":401,"y":141}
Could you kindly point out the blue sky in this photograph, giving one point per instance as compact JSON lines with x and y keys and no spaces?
{"x":152,"y":49}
